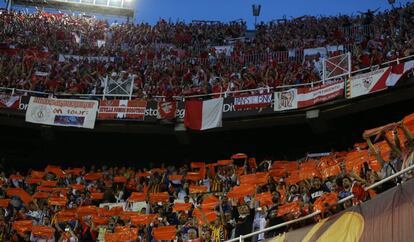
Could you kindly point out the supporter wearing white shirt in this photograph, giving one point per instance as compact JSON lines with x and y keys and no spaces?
{"x":181,"y":194}
{"x":259,"y":222}
{"x":119,"y":196}
{"x":41,"y":239}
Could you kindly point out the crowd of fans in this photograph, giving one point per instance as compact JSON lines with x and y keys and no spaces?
{"x":61,"y":53}
{"x":199,"y":201}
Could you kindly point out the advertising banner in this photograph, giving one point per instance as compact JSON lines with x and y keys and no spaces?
{"x":122,"y":109}
{"x":62,"y":112}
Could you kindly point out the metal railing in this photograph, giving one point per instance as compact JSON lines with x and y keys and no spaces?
{"x":242,"y":237}
{"x":358,"y":30}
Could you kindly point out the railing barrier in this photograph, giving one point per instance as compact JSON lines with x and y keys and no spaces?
{"x":224,"y":93}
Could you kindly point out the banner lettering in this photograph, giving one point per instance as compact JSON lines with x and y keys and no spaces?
{"x":62,"y":112}
{"x":122,"y":109}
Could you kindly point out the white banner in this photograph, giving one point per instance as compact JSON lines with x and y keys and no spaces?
{"x":112,"y":205}
{"x":62,"y":112}
{"x":314,"y":51}
{"x":370,"y":82}
{"x":305,"y":97}
{"x":226,"y":49}
{"x":63,"y":58}
{"x":100,"y":43}
{"x":286,"y":100}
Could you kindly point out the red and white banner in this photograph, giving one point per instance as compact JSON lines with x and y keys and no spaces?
{"x":305,"y":97}
{"x":9,"y":101}
{"x":202,"y":115}
{"x":62,"y":112}
{"x":377,"y":80}
{"x":122,"y":109}
{"x":398,"y":71}
{"x":253,"y":101}
{"x":167,"y":110}
{"x":366,"y":83}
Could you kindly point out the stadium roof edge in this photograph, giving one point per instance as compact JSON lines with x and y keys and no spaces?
{"x":83,"y":7}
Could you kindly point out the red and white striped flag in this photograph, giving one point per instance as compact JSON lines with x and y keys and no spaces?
{"x":397,"y":71}
{"x":304,"y":97}
{"x":202,"y":115}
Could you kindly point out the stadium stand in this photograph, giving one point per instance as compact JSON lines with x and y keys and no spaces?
{"x":60,"y":53}
{"x":199,"y":201}
{"x":55,"y":54}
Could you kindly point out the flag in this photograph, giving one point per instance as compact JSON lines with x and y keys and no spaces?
{"x":22,"y":194}
{"x":22,"y":226}
{"x":209,"y":202}
{"x":204,"y":215}
{"x":66,"y":215}
{"x":202,"y":115}
{"x":197,"y":165}
{"x":164,"y":233}
{"x":37,"y":174}
{"x":97,"y":195}
{"x":86,"y":210}
{"x":193,"y":176}
{"x":7,"y":101}
{"x":31,"y":180}
{"x":167,"y":110}
{"x":265,"y":199}
{"x":177,"y":207}
{"x":120,"y":179}
{"x":43,"y":231}
{"x":93,"y":176}
{"x":143,"y":219}
{"x":137,"y":197}
{"x":122,"y":109}
{"x":4,"y":203}
{"x":77,"y":186}
{"x":397,"y":71}
{"x":224,"y":162}
{"x":242,"y":191}
{"x":197,"y":189}
{"x":175,"y":177}
{"x":127,"y":215}
{"x":55,"y":170}
{"x":58,"y":201}
{"x":49,"y":183}
{"x":41,"y":195}
{"x":100,"y":220}
{"x":324,"y":201}
{"x":287,"y":208}
{"x":159,"y":197}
